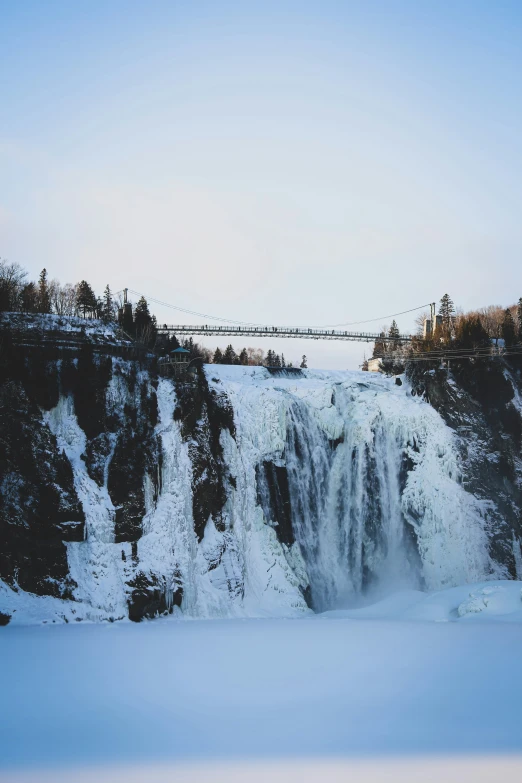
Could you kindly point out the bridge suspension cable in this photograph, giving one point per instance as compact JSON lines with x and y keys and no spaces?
{"x":250,"y":323}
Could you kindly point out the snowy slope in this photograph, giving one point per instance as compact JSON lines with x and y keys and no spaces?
{"x":497,"y":601}
{"x":72,"y":325}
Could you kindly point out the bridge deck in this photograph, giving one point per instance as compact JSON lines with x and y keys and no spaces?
{"x":276,"y":331}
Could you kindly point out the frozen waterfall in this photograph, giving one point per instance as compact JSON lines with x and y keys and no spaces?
{"x":346,"y":505}
{"x":333,"y":484}
{"x":372,"y":488}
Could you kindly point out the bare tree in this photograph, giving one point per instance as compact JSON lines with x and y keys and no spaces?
{"x":29,"y":298}
{"x":12,"y":280}
{"x":206,"y":354}
{"x":70,"y":299}
{"x":419,"y":322}
{"x":491,"y":318}
{"x":54,"y":289}
{"x":63,"y":298}
{"x":255,"y":357}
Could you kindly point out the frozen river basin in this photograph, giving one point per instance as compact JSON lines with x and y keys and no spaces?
{"x":345,"y":685}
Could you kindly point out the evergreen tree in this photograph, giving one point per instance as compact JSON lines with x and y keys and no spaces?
{"x":270,"y":358}
{"x":508,"y":328}
{"x":195,"y":350}
{"x":142,"y":318}
{"x":145,"y":325}
{"x":394,"y":335}
{"x":519,"y":320}
{"x":277,"y":360}
{"x":229,"y":357}
{"x":304,"y":364}
{"x":44,"y":296}
{"x":283,"y":363}
{"x":471,"y":333}
{"x":190,"y":346}
{"x":447,"y":313}
{"x":218,"y":356}
{"x":153,"y":330}
{"x":29,"y":298}
{"x":243,"y":357}
{"x":85,"y":299}
{"x":379,"y":347}
{"x":108,"y":305}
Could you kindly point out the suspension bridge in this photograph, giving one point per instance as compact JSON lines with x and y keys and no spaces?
{"x":207,"y":330}
{"x":230,"y":328}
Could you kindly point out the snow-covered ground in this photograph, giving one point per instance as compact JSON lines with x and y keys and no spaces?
{"x":47,"y":323}
{"x":415,"y":676}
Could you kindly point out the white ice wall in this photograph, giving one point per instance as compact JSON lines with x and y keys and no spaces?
{"x":244,"y":570}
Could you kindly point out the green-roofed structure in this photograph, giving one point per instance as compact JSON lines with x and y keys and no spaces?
{"x":175,"y":364}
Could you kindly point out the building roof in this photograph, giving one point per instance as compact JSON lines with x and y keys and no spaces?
{"x":180,"y":350}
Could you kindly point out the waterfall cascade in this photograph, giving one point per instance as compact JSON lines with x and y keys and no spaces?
{"x":374,"y":493}
{"x":332,"y":484}
{"x":346,"y":506}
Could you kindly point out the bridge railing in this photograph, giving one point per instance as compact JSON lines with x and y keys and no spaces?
{"x":279,"y":331}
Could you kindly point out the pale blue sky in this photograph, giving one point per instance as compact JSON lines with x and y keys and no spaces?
{"x":272,"y":162}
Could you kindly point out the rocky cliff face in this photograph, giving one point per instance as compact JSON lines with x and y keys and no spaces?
{"x":482,"y":403}
{"x":128,"y":496}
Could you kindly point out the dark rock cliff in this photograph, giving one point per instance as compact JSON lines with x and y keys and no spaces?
{"x":115,"y":404}
{"x":39,"y":508}
{"x":480,"y":400}
{"x":203,"y":413}
{"x":40,"y":511}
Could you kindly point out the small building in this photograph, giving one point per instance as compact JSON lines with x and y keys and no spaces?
{"x":176,"y":363}
{"x":180,"y":356}
{"x":374,"y":365}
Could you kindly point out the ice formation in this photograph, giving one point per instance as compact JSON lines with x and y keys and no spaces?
{"x":367,"y":474}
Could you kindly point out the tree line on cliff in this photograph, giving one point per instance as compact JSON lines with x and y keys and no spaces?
{"x":20,"y":295}
{"x":453,"y":329}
